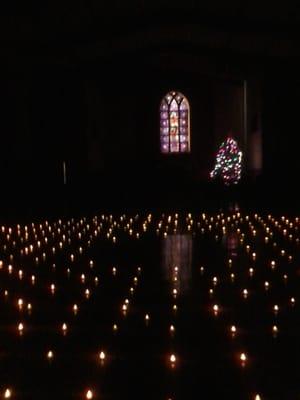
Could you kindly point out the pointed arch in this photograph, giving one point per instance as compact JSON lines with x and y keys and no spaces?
{"x":174,"y":123}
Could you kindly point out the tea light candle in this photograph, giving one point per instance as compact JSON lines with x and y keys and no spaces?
{"x":216,"y":309}
{"x":20,"y":328}
{"x":64,"y":328}
{"x":102,"y":356}
{"x":293,"y":301}
{"x":275,"y":308}
{"x":7,"y":393}
{"x":20,"y":304}
{"x":89,"y":395}
{"x":172,"y":358}
{"x":233,"y":330}
{"x":243,"y":358}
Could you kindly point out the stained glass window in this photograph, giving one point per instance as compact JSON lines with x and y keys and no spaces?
{"x":174,"y":124}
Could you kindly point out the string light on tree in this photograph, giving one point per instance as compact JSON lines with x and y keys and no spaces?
{"x":228,"y":162}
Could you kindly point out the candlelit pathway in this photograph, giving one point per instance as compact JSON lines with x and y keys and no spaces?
{"x":150,"y":306}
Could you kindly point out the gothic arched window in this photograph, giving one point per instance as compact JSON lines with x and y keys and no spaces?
{"x":174,"y":123}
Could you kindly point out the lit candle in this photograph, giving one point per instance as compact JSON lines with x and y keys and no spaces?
{"x":233,"y":330}
{"x":64,"y":328}
{"x":216,"y":309}
{"x":20,"y":328}
{"x":7,"y":393}
{"x":274,"y":330}
{"x":172,"y":359}
{"x":89,"y":394}
{"x":243,"y":358}
{"x":293,"y":301}
{"x":102,"y":356}
{"x":20,"y":304}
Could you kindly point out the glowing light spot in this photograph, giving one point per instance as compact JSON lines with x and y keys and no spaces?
{"x":20,"y":328}
{"x":243,"y":358}
{"x":172,"y":358}
{"x":7,"y":393}
{"x":293,"y":300}
{"x":216,"y":309}
{"x":20,"y":303}
{"x":89,"y":394}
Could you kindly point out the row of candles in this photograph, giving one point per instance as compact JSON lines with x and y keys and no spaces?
{"x":63,"y":235}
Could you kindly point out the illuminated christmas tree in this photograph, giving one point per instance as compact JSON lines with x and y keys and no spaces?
{"x":228,"y":162}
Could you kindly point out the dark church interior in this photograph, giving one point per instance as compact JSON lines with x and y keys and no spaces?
{"x":128,"y":270}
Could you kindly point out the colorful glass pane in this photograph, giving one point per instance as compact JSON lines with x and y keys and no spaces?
{"x":164,"y":106}
{"x":174,"y":123}
{"x":174,"y":119}
{"x":174,"y":147}
{"x":174,"y":105}
{"x":184,"y":105}
{"x":165,"y":148}
{"x":184,"y":146}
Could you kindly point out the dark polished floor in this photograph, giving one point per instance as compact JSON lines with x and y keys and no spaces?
{"x":183,"y":306}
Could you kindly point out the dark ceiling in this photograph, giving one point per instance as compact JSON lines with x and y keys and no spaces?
{"x":61,"y":31}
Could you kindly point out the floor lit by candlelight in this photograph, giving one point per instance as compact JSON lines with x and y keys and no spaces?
{"x":151,"y":306}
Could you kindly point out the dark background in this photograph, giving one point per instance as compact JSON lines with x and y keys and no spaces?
{"x":82,"y":82}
